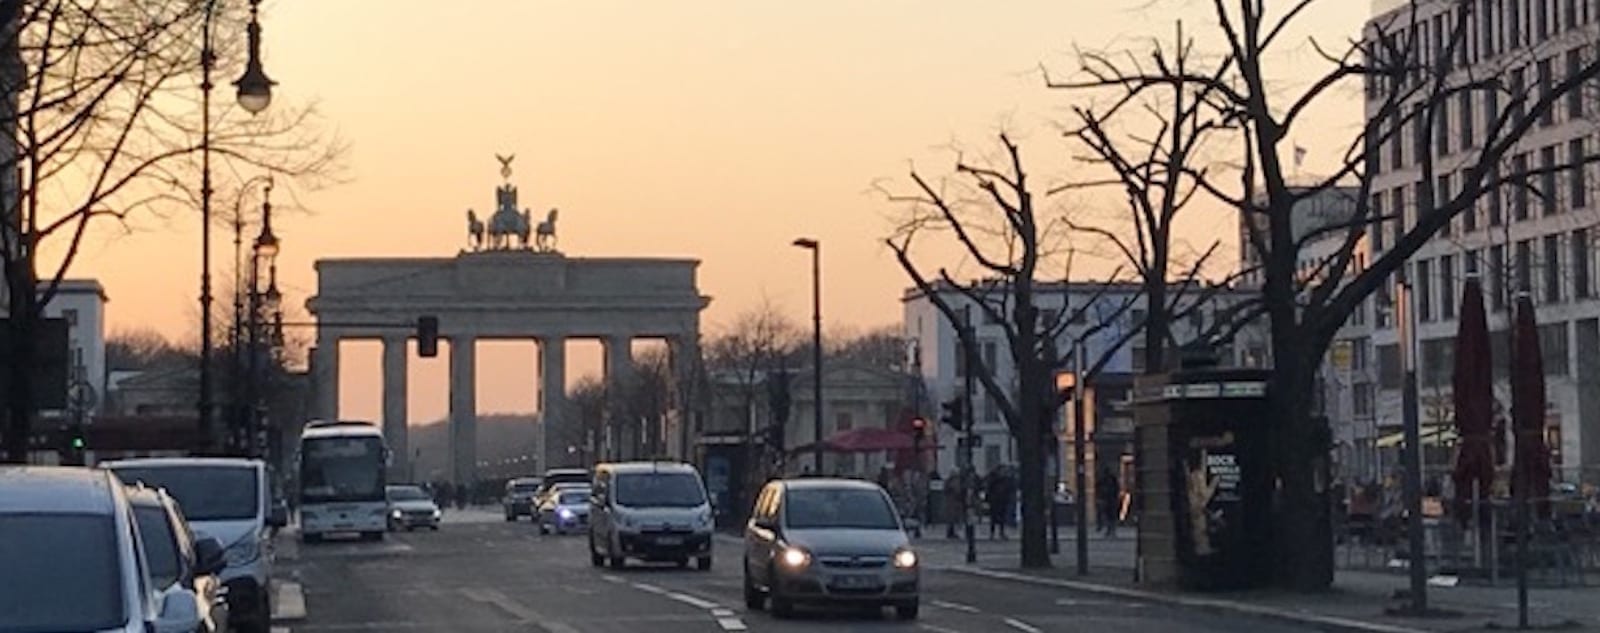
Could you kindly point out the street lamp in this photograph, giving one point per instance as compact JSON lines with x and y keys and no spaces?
{"x":255,"y":93}
{"x":816,"y":348}
{"x":262,"y":301}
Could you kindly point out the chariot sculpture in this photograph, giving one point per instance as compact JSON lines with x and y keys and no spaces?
{"x":508,"y":229}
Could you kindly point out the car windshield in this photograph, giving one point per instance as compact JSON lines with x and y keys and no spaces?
{"x":59,"y":573}
{"x":525,"y":488}
{"x":206,"y":493}
{"x":574,"y":498}
{"x":408,"y":493}
{"x":853,"y":508}
{"x":660,"y":490}
{"x":160,"y":544}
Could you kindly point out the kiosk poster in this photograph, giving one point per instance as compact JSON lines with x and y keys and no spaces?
{"x":1211,"y":471}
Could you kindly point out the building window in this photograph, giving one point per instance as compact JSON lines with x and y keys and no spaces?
{"x":1578,"y":185}
{"x":1519,"y":184}
{"x":1496,"y":211}
{"x":1363,"y":399}
{"x":1447,"y":287}
{"x":1497,"y":277}
{"x":1575,"y":96}
{"x":1552,"y":268}
{"x":1375,"y":230}
{"x":1581,"y":286}
{"x":1469,"y":263}
{"x":1524,"y":266}
{"x":1547,"y":181}
{"x":1438,"y":360}
{"x":1546,"y":86}
{"x":843,"y":421}
{"x":991,"y":357}
{"x":1553,"y":348}
{"x":1359,"y":350}
{"x":1441,"y":195}
{"x":1424,"y":291}
{"x":1389,"y":366}
{"x":1397,"y":198}
{"x":1397,"y":141}
{"x":1468,"y":131}
{"x":1441,"y":124}
{"x":70,"y":316}
{"x":1519,"y":94}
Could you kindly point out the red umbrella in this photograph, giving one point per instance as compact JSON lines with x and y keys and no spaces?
{"x":1473,"y":393}
{"x":1530,"y":470}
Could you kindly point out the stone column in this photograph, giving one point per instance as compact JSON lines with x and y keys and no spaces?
{"x":684,"y":351}
{"x":394,"y":407}
{"x":553,"y":402}
{"x":463,"y":409}
{"x":618,"y":369}
{"x":325,"y":373}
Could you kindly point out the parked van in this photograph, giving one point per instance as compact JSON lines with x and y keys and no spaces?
{"x":226,"y":499}
{"x":649,"y":511}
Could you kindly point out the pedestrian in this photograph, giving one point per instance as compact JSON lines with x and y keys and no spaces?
{"x":999,"y":497}
{"x":955,"y":502}
{"x":1108,"y":495}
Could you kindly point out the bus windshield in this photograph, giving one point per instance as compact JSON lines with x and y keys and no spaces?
{"x":334,"y":469}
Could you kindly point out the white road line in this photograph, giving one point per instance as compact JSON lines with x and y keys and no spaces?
{"x":954,"y":606}
{"x":936,"y":628}
{"x":722,"y":613}
{"x":650,"y":588}
{"x":692,"y":601}
{"x":731,"y":624}
{"x":290,"y":602}
{"x":1021,"y":626}
{"x":280,"y":629}
{"x":610,"y":578}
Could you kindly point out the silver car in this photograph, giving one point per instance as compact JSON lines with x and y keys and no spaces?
{"x":411,"y":507}
{"x":828,"y":541}
{"x":74,"y":558}
{"x":565,"y":510}
{"x":177,"y":559}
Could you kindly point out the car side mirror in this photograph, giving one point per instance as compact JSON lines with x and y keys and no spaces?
{"x":279,"y":516}
{"x":209,"y":557}
{"x":180,"y":612}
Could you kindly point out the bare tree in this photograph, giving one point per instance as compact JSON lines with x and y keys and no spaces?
{"x":758,"y":343}
{"x":95,"y":104}
{"x":143,"y":349}
{"x":991,"y":213}
{"x":880,"y":348}
{"x":1142,"y":147}
{"x":1411,"y":82}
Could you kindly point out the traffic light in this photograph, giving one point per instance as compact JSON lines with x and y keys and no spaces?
{"x":427,"y":336}
{"x":952,"y":415}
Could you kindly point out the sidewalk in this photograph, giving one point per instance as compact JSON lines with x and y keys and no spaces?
{"x":1358,"y":601}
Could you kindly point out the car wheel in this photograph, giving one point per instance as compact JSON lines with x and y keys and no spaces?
{"x":754,"y":600}
{"x":511,"y":517}
{"x":906,"y":611}
{"x":782,"y":608}
{"x":434,"y":527}
{"x":703,"y":563}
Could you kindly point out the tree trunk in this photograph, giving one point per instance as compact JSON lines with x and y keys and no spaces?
{"x":19,"y":409}
{"x":1302,"y":516}
{"x":1030,"y":458}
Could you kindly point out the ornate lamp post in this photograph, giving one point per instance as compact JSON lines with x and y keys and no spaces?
{"x":254,"y":94}
{"x":264,"y":303}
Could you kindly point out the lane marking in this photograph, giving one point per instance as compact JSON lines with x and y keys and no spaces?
{"x":516,"y":609}
{"x":731,"y":624}
{"x":692,"y":601}
{"x":280,"y":629}
{"x":610,"y":578}
{"x":954,"y":606}
{"x":936,"y":628}
{"x":649,"y":588}
{"x":289,"y":601}
{"x":722,"y":613}
{"x":1021,"y":626}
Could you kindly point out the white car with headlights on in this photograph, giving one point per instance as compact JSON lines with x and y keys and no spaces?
{"x":565,"y":511}
{"x":649,"y":511}
{"x":828,"y":541}
{"x":411,"y":507}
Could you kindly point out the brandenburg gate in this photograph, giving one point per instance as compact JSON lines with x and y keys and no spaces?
{"x":502,"y":288}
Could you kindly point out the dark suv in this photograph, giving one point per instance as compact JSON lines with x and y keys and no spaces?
{"x":519,"y":499}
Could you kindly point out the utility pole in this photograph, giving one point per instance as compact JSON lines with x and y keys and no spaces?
{"x":1079,"y":486}
{"x":969,"y":470}
{"x":1413,"y":453}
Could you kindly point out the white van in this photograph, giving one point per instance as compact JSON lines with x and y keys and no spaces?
{"x":649,"y":511}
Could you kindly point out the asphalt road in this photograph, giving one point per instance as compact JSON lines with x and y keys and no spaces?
{"x":482,"y":575}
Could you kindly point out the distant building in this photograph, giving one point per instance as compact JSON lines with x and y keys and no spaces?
{"x":82,"y":303}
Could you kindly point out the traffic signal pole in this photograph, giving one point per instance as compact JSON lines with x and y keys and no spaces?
{"x":969,"y":470}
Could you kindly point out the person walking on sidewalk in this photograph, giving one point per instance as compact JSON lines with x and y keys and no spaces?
{"x":955,"y":502}
{"x":999,"y":495}
{"x":1107,"y":495}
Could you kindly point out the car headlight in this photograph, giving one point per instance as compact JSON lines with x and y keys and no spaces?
{"x":905,"y":559}
{"x":435,"y":513}
{"x":794,"y":558}
{"x":564,"y":513}
{"x":703,"y":519}
{"x":396,"y":513}
{"x":242,"y":552}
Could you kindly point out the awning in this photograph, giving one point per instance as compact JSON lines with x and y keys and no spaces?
{"x":869,"y":440}
{"x":1436,"y":436}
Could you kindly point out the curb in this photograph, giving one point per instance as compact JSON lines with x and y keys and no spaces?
{"x":1227,"y":607}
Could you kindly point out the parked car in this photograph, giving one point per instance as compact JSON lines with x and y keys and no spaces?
{"x":566,"y":510}
{"x":519,"y":498}
{"x":828,"y":541}
{"x":650,"y":511}
{"x":411,"y":507}
{"x":72,"y":558}
{"x":563,"y":476}
{"x":225,"y":499}
{"x":176,"y":559}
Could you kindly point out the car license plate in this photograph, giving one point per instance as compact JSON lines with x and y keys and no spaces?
{"x":669,"y":540}
{"x":855,"y":582}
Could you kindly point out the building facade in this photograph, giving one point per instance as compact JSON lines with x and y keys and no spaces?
{"x":1535,"y":234}
{"x":82,"y":304}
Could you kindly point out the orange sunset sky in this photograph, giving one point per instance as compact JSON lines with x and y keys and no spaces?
{"x":719,"y":130}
